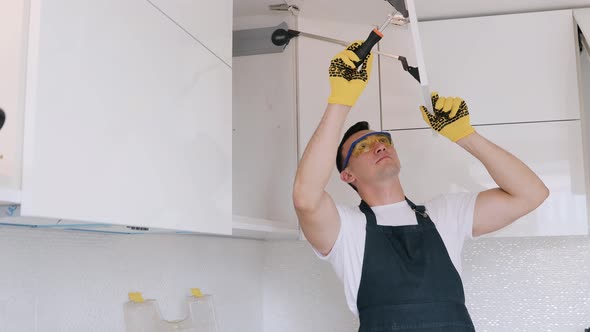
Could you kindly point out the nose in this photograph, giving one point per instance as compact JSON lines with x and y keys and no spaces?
{"x":379,"y":147}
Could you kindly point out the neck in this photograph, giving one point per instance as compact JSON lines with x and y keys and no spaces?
{"x":384,"y":193}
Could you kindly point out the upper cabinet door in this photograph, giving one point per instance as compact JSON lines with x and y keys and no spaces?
{"x":208,"y":22}
{"x":128,"y":119}
{"x":510,"y":68}
{"x":12,"y":71}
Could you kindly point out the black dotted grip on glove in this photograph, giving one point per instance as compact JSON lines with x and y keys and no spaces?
{"x":441,"y":119}
{"x":340,"y":69}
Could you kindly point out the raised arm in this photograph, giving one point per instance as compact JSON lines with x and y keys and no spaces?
{"x":315,"y":208}
{"x":519,"y":191}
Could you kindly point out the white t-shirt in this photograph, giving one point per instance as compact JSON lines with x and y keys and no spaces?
{"x":451,"y":213}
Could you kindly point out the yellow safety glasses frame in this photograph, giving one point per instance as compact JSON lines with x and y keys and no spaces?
{"x":366,"y":143}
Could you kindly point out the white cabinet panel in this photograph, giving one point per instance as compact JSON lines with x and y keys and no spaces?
{"x":129,"y":120}
{"x":314,"y":89}
{"x":510,"y":68}
{"x":209,"y":22}
{"x":432,"y":165}
{"x":12,"y":70}
{"x":264,"y":136}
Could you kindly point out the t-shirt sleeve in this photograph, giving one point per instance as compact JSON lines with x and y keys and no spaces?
{"x":346,"y":254}
{"x":337,"y":249}
{"x":340,"y":254}
{"x":456,"y":210}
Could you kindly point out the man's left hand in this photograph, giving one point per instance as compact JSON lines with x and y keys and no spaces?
{"x":451,"y":117}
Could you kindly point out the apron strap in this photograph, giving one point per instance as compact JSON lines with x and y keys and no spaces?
{"x":420,"y":210}
{"x":369,"y":214}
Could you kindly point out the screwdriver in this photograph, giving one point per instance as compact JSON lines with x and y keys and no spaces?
{"x":374,"y":37}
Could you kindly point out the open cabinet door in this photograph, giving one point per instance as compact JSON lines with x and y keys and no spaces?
{"x":417,"y":41}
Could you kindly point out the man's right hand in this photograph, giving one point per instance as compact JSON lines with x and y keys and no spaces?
{"x":346,"y":81}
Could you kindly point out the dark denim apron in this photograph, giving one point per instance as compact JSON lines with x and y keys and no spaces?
{"x":408,"y":281}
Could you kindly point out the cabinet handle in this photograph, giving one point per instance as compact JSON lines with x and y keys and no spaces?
{"x":2,"y":118}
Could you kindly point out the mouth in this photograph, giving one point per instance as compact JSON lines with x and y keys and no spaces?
{"x":382,"y":158}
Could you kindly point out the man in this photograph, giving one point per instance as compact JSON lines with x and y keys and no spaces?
{"x":399,"y":262}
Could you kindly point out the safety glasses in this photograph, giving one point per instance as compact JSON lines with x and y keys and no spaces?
{"x":366,"y":143}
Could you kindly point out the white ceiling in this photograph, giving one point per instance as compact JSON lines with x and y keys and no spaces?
{"x":375,"y":11}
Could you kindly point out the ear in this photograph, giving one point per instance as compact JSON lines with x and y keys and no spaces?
{"x":347,"y":177}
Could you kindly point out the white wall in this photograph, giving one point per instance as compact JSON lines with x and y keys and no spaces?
{"x":58,"y":281}
{"x":301,"y":292}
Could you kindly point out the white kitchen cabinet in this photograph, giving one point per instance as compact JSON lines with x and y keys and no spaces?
{"x":127,"y":120}
{"x":264,"y":138}
{"x":209,"y":23}
{"x":279,"y":100}
{"x":519,"y":76}
{"x":510,"y":68}
{"x":518,"y":73}
{"x":314,"y":89}
{"x":433,"y":165}
{"x":12,"y":69}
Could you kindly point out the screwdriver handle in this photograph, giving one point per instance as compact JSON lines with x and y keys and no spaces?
{"x":363,"y":51}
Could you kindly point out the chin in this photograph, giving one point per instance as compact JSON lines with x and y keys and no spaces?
{"x":389,"y":172}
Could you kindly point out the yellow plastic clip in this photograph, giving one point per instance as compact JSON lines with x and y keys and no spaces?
{"x":136,"y":297}
{"x":196,"y":292}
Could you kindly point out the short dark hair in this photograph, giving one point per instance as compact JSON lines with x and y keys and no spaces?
{"x":359,"y":126}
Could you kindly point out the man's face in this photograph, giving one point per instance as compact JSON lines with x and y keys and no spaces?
{"x":373,"y":159}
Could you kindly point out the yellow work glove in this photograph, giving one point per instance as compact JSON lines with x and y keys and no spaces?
{"x":450,"y":119}
{"x":346,"y":81}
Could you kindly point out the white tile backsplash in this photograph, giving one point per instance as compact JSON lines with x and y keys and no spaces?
{"x":59,"y":281}
{"x":53,"y":280}
{"x":511,"y":284}
{"x":529,"y":284}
